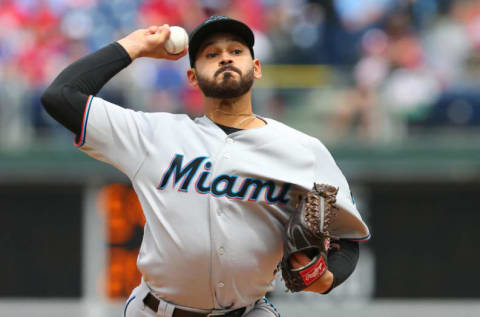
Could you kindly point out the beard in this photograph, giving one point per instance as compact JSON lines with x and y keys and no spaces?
{"x":228,"y":87}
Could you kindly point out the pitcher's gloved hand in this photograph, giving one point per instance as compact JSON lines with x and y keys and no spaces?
{"x":308,"y":231}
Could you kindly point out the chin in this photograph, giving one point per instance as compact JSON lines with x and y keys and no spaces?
{"x":229,"y":74}
{"x":229,"y":85}
{"x":229,"y":82}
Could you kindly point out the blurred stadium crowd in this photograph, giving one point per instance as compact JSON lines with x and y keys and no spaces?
{"x":395,"y":63}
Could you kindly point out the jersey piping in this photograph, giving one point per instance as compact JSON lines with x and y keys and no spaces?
{"x":80,"y":140}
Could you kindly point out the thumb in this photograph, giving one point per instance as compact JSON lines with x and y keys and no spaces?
{"x":160,"y":35}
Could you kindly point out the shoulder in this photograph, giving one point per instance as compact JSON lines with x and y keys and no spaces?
{"x":284,"y":130}
{"x":167,"y":116}
{"x":165,"y":123}
{"x":111,"y":108}
{"x":164,"y":119}
{"x":288,"y":133}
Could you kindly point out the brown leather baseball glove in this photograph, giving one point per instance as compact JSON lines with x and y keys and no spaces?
{"x":308,"y":231}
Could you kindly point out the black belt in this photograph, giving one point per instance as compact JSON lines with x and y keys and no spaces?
{"x":152,"y":302}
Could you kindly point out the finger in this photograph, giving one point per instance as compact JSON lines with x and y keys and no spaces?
{"x":175,"y":57}
{"x":152,"y":29}
{"x":157,"y":40}
{"x":294,"y":262}
{"x":162,"y":28}
{"x":163,"y":33}
{"x":298,"y":260}
{"x":302,"y":258}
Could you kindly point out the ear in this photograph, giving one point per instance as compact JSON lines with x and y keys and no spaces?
{"x":257,"y":69}
{"x":192,"y":77}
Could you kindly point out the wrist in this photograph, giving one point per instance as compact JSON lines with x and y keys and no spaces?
{"x":133,"y":49}
{"x":323,"y":284}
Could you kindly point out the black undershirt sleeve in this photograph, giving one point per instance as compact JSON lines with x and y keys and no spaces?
{"x":65,"y":99}
{"x":342,"y":260}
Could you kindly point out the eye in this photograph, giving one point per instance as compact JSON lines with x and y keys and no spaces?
{"x":237,"y":51}
{"x":211,"y":55}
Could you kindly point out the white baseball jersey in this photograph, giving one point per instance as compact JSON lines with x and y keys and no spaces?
{"x":215,"y":204}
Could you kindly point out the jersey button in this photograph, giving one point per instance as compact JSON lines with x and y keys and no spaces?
{"x":227,"y":155}
{"x":220,"y":284}
{"x":229,"y":140}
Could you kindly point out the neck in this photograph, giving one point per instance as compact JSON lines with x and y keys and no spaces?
{"x":233,"y":112}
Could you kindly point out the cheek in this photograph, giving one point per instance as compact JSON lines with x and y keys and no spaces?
{"x":207,"y":71}
{"x":203,"y":72}
{"x":246,"y":65}
{"x":250,"y":68}
{"x":201,"y":67}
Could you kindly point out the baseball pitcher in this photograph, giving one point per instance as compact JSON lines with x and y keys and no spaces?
{"x":230,"y":198}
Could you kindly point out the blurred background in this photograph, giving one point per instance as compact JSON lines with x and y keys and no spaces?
{"x":390,"y":86}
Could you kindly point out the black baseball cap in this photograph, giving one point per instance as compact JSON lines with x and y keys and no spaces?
{"x":218,"y":24}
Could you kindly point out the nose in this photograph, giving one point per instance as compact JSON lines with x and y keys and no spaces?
{"x":226,"y":60}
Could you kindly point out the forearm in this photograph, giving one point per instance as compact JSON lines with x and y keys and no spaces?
{"x":343,"y":261}
{"x":341,"y":264}
{"x":65,"y":99}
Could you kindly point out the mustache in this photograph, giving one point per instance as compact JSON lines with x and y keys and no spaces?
{"x":227,"y":67}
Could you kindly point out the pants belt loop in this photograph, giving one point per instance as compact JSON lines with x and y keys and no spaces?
{"x":165,"y":309}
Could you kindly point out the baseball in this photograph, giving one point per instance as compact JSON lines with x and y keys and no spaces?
{"x":177,"y":41}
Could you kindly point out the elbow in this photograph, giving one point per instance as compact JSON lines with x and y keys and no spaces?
{"x":48,"y":98}
{"x":51,"y":98}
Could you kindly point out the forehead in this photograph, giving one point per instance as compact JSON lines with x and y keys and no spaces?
{"x":221,"y":38}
